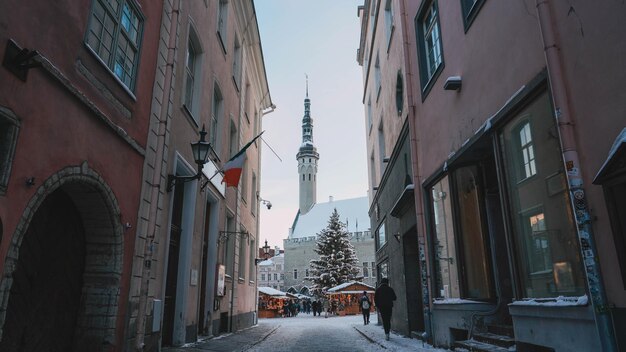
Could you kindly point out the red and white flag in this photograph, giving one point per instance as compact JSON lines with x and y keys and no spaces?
{"x":232,"y":168}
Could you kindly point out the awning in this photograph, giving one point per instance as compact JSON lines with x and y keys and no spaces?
{"x":615,"y":163}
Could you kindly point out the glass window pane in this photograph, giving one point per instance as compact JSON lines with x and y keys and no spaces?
{"x":446,"y":261}
{"x":544,"y":232}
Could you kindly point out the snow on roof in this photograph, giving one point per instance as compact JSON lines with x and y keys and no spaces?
{"x":619,"y":142}
{"x":271,"y":291}
{"x":354,"y":210}
{"x":348,"y":284}
{"x":560,"y":301}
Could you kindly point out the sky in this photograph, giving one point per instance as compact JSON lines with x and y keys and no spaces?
{"x":320,"y":39}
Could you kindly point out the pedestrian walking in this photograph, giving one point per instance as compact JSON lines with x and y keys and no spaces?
{"x":314,"y":307}
{"x":326,"y":308}
{"x":384,"y":298}
{"x":365,"y":308}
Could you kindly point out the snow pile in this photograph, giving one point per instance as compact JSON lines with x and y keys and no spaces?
{"x":561,"y":301}
{"x":455,"y":301}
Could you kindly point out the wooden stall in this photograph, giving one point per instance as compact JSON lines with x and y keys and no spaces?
{"x":348,"y":295}
{"x":271,"y":302}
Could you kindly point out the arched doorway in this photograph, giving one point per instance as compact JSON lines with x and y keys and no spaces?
{"x":62,"y":281}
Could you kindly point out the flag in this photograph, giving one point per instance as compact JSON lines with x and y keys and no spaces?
{"x":232,"y":168}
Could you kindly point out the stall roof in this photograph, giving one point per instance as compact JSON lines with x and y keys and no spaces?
{"x":271,"y":291}
{"x":342,"y":287}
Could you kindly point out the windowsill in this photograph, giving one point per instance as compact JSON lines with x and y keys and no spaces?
{"x":242,"y":280}
{"x":393,"y":29}
{"x":124,"y":87}
{"x":235,"y":84}
{"x":431,"y":81}
{"x":189,"y":115}
{"x":380,"y":88}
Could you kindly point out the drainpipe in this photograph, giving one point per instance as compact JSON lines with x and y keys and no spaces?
{"x":155,"y":192}
{"x":424,"y":255}
{"x":566,"y":125}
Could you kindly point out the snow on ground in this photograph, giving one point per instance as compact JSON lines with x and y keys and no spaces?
{"x":333,"y":334}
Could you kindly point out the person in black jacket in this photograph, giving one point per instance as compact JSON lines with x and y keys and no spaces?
{"x":365,"y":304}
{"x":384,"y":298}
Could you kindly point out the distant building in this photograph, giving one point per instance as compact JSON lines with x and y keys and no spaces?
{"x":299,"y":247}
{"x":271,"y":272}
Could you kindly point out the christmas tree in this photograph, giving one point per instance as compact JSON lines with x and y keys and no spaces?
{"x":338,"y":263}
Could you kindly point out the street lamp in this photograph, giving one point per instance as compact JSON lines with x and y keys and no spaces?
{"x":200,"y":151}
{"x":266,"y":254}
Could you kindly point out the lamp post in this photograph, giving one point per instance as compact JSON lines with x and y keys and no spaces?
{"x":266,"y":254}
{"x":200,"y":151}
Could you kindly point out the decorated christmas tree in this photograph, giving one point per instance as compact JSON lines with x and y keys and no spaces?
{"x":337,"y":263}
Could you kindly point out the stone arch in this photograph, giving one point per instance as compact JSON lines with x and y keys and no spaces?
{"x":95,"y":203}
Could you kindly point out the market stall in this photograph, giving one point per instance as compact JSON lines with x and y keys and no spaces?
{"x":347,"y":296}
{"x":271,"y":302}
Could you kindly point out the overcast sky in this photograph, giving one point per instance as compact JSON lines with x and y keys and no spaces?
{"x":319,"y":38}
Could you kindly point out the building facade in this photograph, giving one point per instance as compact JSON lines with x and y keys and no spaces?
{"x":195,"y":267}
{"x":75,"y":101}
{"x":272,"y":272}
{"x":517,"y":238}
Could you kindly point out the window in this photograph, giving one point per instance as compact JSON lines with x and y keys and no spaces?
{"x":373,"y":170}
{"x":229,"y":248}
{"x":233,"y":145}
{"x":373,"y":269}
{"x":114,"y":34}
{"x":383,"y":270}
{"x":380,"y":234}
{"x":306,"y":272}
{"x":193,"y":73}
{"x":244,"y":181}
{"x":242,"y":255}
{"x":295,"y":274}
{"x":282,"y":276}
{"x":381,"y":146}
{"x":469,"y":9}
{"x":237,"y":63}
{"x":365,"y":270}
{"x":377,"y":83}
{"x":262,"y":277}
{"x":369,"y":114}
{"x":251,"y":259}
{"x":216,"y":117}
{"x":399,"y":93}
{"x":389,"y":27}
{"x":9,"y":128}
{"x":544,"y":231}
{"x":446,"y":261}
{"x":527,"y":152}
{"x":253,"y":197}
{"x":429,"y":43}
{"x":222,"y":22}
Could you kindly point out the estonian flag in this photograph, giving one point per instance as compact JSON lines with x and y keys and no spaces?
{"x":232,"y":168}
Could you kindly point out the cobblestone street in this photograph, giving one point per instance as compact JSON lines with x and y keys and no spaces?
{"x":308,"y":333}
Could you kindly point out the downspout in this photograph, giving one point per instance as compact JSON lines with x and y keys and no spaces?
{"x":155,"y":192}
{"x":566,"y":124}
{"x":424,"y":255}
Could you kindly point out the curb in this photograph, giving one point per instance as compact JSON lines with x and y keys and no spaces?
{"x":369,"y":338}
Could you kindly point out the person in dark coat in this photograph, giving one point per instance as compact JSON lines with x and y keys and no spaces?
{"x":384,"y":298}
{"x":365,"y":304}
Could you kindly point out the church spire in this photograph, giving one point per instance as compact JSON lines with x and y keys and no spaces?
{"x":307,"y":159}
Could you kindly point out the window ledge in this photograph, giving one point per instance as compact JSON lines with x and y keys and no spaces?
{"x":222,"y":45}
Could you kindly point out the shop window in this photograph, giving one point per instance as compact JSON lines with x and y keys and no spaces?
{"x":544,"y":232}
{"x":446,"y":260}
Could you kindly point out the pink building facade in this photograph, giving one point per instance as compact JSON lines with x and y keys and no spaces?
{"x":516,"y":122}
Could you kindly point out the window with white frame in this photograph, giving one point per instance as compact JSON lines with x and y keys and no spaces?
{"x":193,"y":74}
{"x":243,"y":242}
{"x":388,"y":21}
{"x":237,"y":54}
{"x":114,"y":34}
{"x":365,"y":270}
{"x":380,"y":234}
{"x":222,"y":22}
{"x":377,"y":77}
{"x":295,"y":274}
{"x":262,"y":277}
{"x":429,"y":40}
{"x":527,"y":150}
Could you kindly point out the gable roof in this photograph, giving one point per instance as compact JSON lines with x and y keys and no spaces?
{"x":354,"y":210}
{"x":345,"y":285}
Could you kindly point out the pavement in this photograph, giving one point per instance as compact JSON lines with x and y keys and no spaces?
{"x":252,"y":339}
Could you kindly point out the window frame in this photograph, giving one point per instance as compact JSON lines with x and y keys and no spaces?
{"x":222,"y":23}
{"x":116,"y":33}
{"x":380,"y":245}
{"x":192,"y":107}
{"x":469,"y":13}
{"x":8,"y":143}
{"x":427,"y":81}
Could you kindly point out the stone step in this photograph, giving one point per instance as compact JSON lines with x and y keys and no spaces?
{"x":477,"y":346}
{"x":494,"y":339}
{"x":506,"y":330}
